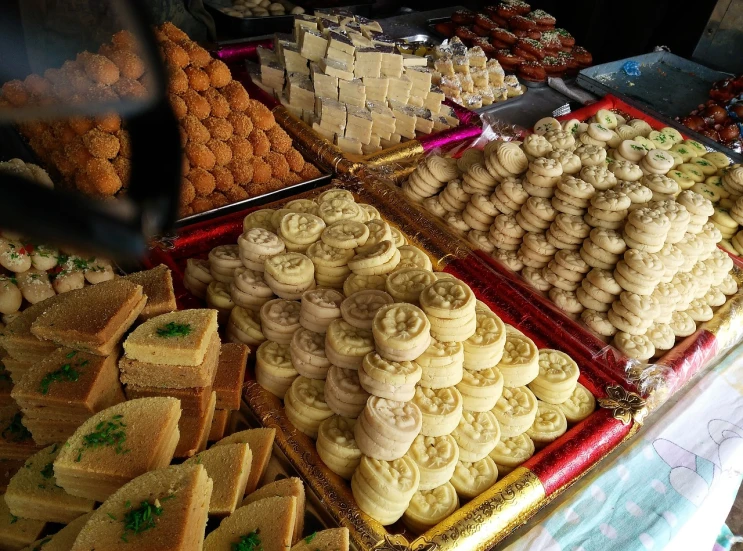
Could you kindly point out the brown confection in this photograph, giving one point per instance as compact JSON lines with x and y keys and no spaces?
{"x":15,"y":439}
{"x":219,"y":425}
{"x":272,"y":518}
{"x":333,"y":539}
{"x":183,"y":493}
{"x":141,"y":436}
{"x":157,"y":285}
{"x":16,"y":369}
{"x":194,"y":430}
{"x":229,"y":468}
{"x":173,"y":339}
{"x":286,"y":487}
{"x":194,"y":401}
{"x":261,"y":445}
{"x":173,"y":376}
{"x":17,"y":338}
{"x":93,"y":318}
{"x":228,"y":382}
{"x":15,"y":533}
{"x":33,"y":492}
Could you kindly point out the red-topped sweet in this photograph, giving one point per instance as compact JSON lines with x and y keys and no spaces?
{"x":466,"y":35}
{"x":484,"y":22}
{"x":582,"y":56}
{"x":508,"y":60}
{"x":486,"y":46}
{"x":463,"y":17}
{"x":566,"y":39}
{"x":532,"y":71}
{"x":543,"y":20}
{"x":555,"y":66}
{"x":522,"y":23}
{"x":531,"y":46}
{"x":504,"y":36}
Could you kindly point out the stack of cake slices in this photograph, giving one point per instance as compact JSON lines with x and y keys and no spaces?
{"x":177,"y":354}
{"x":228,"y":384}
{"x":118,"y":444}
{"x":63,"y":390}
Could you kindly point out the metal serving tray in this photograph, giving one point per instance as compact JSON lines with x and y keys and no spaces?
{"x":669,"y":86}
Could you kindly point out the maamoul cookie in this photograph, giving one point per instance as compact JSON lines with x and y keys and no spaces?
{"x":273,"y":368}
{"x":638,"y":347}
{"x":289,"y":275}
{"x":249,"y":289}
{"x":305,"y":405}
{"x":450,"y":307}
{"x":442,"y":364}
{"x":579,"y":406}
{"x":280,"y":319}
{"x":549,"y":424}
{"x":319,"y":308}
{"x":512,"y":451}
{"x":413,"y":257}
{"x":337,"y":447}
{"x":436,"y":458}
{"x":402,"y":331}
{"x":558,"y":375}
{"x":360,"y":307}
{"x":346,"y":345}
{"x":485,"y":348}
{"x":519,"y":364}
{"x":383,"y":489}
{"x":218,"y":297}
{"x":429,"y":507}
{"x":244,"y":326}
{"x":307,"y":350}
{"x":343,"y":392}
{"x":389,"y":379}
{"x":441,"y":409}
{"x":515,"y":410}
{"x":406,"y":284}
{"x":473,"y":478}
{"x":222,"y":262}
{"x":481,"y":389}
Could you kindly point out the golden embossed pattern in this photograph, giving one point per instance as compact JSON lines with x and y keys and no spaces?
{"x":488,"y":518}
{"x":625,"y":405}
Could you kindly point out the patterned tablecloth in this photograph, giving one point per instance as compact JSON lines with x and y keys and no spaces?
{"x":671,"y":489}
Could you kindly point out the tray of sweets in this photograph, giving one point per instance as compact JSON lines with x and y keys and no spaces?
{"x":661,"y":374}
{"x":482,"y":520}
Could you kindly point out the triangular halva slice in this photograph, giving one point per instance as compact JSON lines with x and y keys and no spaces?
{"x":229,"y":467}
{"x":117,"y":445}
{"x":285,"y":487}
{"x":261,"y":446}
{"x":334,"y":539}
{"x":163,"y":510}
{"x":268,"y":524}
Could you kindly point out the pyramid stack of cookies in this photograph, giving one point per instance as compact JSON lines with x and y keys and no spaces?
{"x":616,"y":222}
{"x":412,"y":389}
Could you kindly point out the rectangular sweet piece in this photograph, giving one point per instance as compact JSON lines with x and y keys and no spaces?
{"x":445,"y":66}
{"x":340,"y":55}
{"x":228,"y":382}
{"x":394,"y":140}
{"x":461,"y":64}
{"x":368,"y":63}
{"x":157,"y":285}
{"x":352,"y":92}
{"x":293,"y":61}
{"x":330,"y":111}
{"x":359,"y":124}
{"x":496,"y":75}
{"x":267,"y":89}
{"x":194,"y":400}
{"x":477,"y":57}
{"x":308,"y":116}
{"x":325,"y":24}
{"x":420,"y":78}
{"x":219,"y":425}
{"x":434,"y":99}
{"x":360,"y":41}
{"x":391,"y":65}
{"x":409,"y":60}
{"x":404,"y":119}
{"x":302,"y":22}
{"x":340,"y":41}
{"x":487,"y":96}
{"x":384,"y":40}
{"x":279,"y":41}
{"x":423,"y":120}
{"x":451,"y":86}
{"x":376,"y":88}
{"x":272,"y":75}
{"x":479,"y":77}
{"x":324,"y":132}
{"x":372,"y":147}
{"x":336,"y":69}
{"x":349,"y":145}
{"x":325,"y":86}
{"x":500,"y":93}
{"x":415,"y":101}
{"x":399,"y":89}
{"x":334,"y":128}
{"x":440,"y":123}
{"x":194,"y":430}
{"x":383,"y":120}
{"x":297,"y":112}
{"x":300,"y":92}
{"x":266,"y":56}
{"x":369,"y":24}
{"x":313,"y":45}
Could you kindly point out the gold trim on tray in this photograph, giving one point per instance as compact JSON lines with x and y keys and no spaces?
{"x":626,"y":405}
{"x":488,"y":518}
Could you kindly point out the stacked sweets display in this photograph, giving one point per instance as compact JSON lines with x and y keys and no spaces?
{"x":610,"y":218}
{"x":403,"y":378}
{"x":346,"y":79}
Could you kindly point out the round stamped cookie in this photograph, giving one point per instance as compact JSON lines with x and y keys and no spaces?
{"x":413,"y":257}
{"x":337,"y":447}
{"x":244,"y":326}
{"x":448,"y":299}
{"x":436,"y":458}
{"x":355,"y":283}
{"x":218,"y":297}
{"x":322,"y":303}
{"x":598,"y":322}
{"x":335,"y":210}
{"x":485,"y":348}
{"x":301,"y":228}
{"x":280,"y":319}
{"x":557,"y":371}
{"x":335,"y":193}
{"x":359,"y":309}
{"x":323,"y":255}
{"x":346,"y":345}
{"x":346,"y":234}
{"x":638,"y":347}
{"x":511,"y":452}
{"x":399,"y":479}
{"x":519,"y":364}
{"x":302,"y":206}
{"x":395,"y":420}
{"x":471,"y":479}
{"x":549,"y":424}
{"x":373,"y":257}
{"x":441,"y":409}
{"x":259,"y":219}
{"x":344,"y":393}
{"x":401,"y":331}
{"x":258,"y":244}
{"x":252,"y":283}
{"x":481,"y":389}
{"x":429,"y":507}
{"x":579,"y":406}
{"x":651,"y":221}
{"x":307,"y":350}
{"x":305,"y":405}
{"x":476,"y":434}
{"x":441,"y":354}
{"x":393,"y":373}
{"x":273,"y":368}
{"x":290,"y":268}
{"x":406,"y":284}
{"x":515,"y":410}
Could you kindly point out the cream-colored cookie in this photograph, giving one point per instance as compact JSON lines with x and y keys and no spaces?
{"x":383,"y":489}
{"x":307,"y":350}
{"x":344,"y":393}
{"x":346,"y":345}
{"x":413,"y":257}
{"x":360,"y":307}
{"x":305,"y":405}
{"x":337,"y":447}
{"x":273,"y":368}
{"x":402,"y":331}
{"x":259,"y":219}
{"x":515,"y":410}
{"x":441,"y":409}
{"x":511,"y":452}
{"x":406,"y":284}
{"x":244,"y":326}
{"x":549,"y":424}
{"x":481,"y":389}
{"x":476,"y":434}
{"x":429,"y":507}
{"x":473,"y":478}
{"x":485,"y":348}
{"x":519,"y":364}
{"x":436,"y":458}
{"x":280,"y":319}
{"x":389,"y":379}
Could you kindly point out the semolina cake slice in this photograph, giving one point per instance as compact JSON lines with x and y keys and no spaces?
{"x":16,"y":442}
{"x":173,"y":376}
{"x":219,"y":425}
{"x":70,"y":381}
{"x":261,"y":446}
{"x":283,"y":488}
{"x":177,"y":338}
{"x":194,"y":429}
{"x":17,"y":339}
{"x":333,"y":539}
{"x":117,"y":445}
{"x":33,"y":492}
{"x":157,"y":285}
{"x":229,"y":468}
{"x":228,"y":383}
{"x":16,"y":532}
{"x":268,"y":524}
{"x":16,"y":369}
{"x":194,"y":400}
{"x":93,"y":318}
{"x":62,"y":540}
{"x":163,"y":510}
{"x":50,"y":431}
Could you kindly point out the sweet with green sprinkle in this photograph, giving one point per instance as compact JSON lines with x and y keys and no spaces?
{"x":141,"y":519}
{"x":107,"y":433}
{"x":174,"y":329}
{"x":248,"y":542}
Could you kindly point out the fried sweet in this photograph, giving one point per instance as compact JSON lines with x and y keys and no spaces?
{"x":280,"y":140}
{"x":241,"y":124}
{"x":222,"y":152}
{"x":203,"y":182}
{"x":219,"y":73}
{"x":100,"y":144}
{"x":260,"y":115}
{"x":199,"y":155}
{"x":235,"y":94}
{"x":260,"y":143}
{"x":242,"y":171}
{"x":219,"y":106}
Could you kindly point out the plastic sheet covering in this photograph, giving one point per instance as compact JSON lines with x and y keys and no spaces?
{"x":484,"y":521}
{"x":656,"y":381}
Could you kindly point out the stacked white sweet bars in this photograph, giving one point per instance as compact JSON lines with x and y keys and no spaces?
{"x":341,"y":75}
